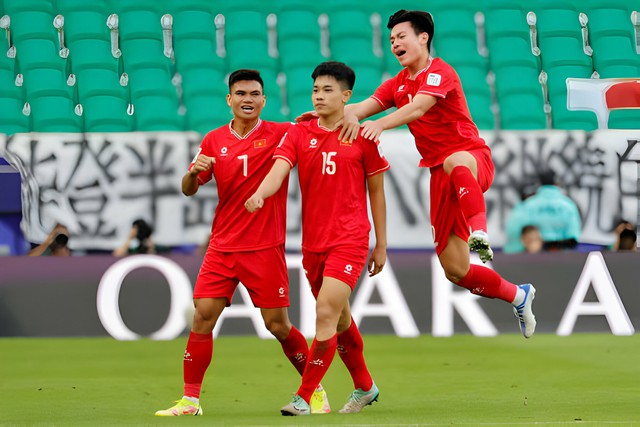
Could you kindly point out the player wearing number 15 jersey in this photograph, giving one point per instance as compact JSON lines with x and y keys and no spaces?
{"x":334,"y":177}
{"x":243,"y":247}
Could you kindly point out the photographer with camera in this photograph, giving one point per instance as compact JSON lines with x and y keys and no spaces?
{"x":55,"y":244}
{"x":139,"y":240}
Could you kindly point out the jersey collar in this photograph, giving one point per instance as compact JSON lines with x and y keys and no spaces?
{"x":429,"y":62}
{"x":237,"y":135}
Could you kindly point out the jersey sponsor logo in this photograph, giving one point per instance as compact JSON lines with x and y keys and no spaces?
{"x":433,"y":79}
{"x":223,"y":151}
{"x":348,"y":269}
{"x":260,"y":143}
{"x":196,"y":156}
{"x":313,"y":143}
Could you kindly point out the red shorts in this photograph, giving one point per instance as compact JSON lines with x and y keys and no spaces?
{"x":342,"y":263}
{"x":263,"y":273}
{"x":446,"y":215}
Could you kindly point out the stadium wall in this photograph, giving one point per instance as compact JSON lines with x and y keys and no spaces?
{"x":97,"y":184}
{"x":150,"y":296}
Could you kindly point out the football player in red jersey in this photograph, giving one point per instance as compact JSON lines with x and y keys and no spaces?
{"x":334,"y":177}
{"x":429,"y":99}
{"x":243,"y":247}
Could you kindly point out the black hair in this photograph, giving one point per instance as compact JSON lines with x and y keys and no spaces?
{"x":422,"y":22}
{"x":547,"y":177}
{"x":245,"y":74}
{"x":627,"y":240}
{"x":339,"y":70}
{"x":144,"y":229}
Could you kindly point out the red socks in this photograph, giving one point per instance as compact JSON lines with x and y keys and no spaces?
{"x":351,"y":351}
{"x":295,"y":347}
{"x":197,"y":358}
{"x":470,"y":198}
{"x":486,"y":282}
{"x":320,"y":357}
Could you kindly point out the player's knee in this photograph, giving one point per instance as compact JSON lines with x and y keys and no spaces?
{"x":460,"y":158}
{"x":278,"y":328}
{"x":454,"y":273}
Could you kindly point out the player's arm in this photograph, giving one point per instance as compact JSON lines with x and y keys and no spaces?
{"x":406,"y":114}
{"x":269,"y":185}
{"x":353,"y":113}
{"x":190,"y":182}
{"x":375,"y":185}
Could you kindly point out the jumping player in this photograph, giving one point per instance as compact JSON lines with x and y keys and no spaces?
{"x":334,"y":177}
{"x":429,"y":99}
{"x":243,"y":248}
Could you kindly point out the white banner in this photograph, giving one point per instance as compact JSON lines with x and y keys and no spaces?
{"x":98,"y":184}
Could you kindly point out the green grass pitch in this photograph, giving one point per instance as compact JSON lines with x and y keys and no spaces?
{"x":584,"y":379}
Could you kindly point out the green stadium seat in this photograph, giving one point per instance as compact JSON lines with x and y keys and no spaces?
{"x":106,"y":114}
{"x":54,"y":114}
{"x":196,"y":53}
{"x":12,"y":120}
{"x":40,"y":82}
{"x":245,"y":24}
{"x":99,"y":82}
{"x":91,"y":53}
{"x":144,"y":53}
{"x":624,"y":119}
{"x":31,"y":24}
{"x":157,"y":113}
{"x":193,"y":24}
{"x":299,"y":87}
{"x":367,"y":81}
{"x":96,"y":6}
{"x":522,"y":111}
{"x":298,"y":32}
{"x":149,"y":82}
{"x":478,"y":94}
{"x":197,"y":81}
{"x":561,"y":118}
{"x":206,"y":112}
{"x":249,"y":53}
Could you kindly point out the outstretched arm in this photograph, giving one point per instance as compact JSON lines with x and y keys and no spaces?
{"x":406,"y":114}
{"x":269,"y":186}
{"x":378,"y":257}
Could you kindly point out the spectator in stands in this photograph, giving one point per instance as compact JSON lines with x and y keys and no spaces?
{"x":139,"y":240}
{"x":518,"y":219}
{"x":554,"y":214}
{"x":531,"y":239}
{"x":55,"y":244}
{"x":625,"y":237}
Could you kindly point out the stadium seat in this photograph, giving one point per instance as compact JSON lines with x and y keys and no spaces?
{"x":151,"y":81}
{"x":99,"y":82}
{"x":206,"y":112}
{"x":298,"y":31}
{"x":478,"y":94}
{"x":156,"y":113}
{"x":106,"y":114}
{"x":197,"y":81}
{"x":624,"y":119}
{"x":522,"y":111}
{"x":54,"y":114}
{"x":45,"y":82}
{"x":12,"y":120}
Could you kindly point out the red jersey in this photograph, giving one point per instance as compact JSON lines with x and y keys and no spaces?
{"x":447,"y":127}
{"x":333,"y":187}
{"x":241,"y":165}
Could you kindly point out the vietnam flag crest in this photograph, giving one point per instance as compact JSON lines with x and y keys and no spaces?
{"x":259,"y":143}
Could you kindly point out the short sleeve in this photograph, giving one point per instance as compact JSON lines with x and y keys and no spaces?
{"x":374,"y":160}
{"x":287,"y":149}
{"x":384,"y":94}
{"x":438,"y":83}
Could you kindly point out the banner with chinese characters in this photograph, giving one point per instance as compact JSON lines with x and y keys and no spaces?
{"x":98,"y":184}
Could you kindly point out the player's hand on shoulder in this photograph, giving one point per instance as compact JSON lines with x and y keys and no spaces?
{"x":372,"y":130}
{"x":350,"y":127}
{"x":306,"y":116}
{"x":254,"y":203}
{"x":202,"y":164}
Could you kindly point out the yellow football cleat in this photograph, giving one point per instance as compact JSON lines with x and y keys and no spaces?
{"x":182,"y":407}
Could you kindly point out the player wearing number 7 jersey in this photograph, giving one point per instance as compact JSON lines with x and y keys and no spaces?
{"x":334,"y":177}
{"x":243,"y":248}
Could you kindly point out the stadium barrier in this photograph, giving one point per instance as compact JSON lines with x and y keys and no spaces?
{"x":97,"y":184}
{"x":150,"y":296}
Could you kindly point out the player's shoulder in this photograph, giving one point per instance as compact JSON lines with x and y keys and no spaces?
{"x":217,"y":134}
{"x":277,"y":126}
{"x":441,"y":66}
